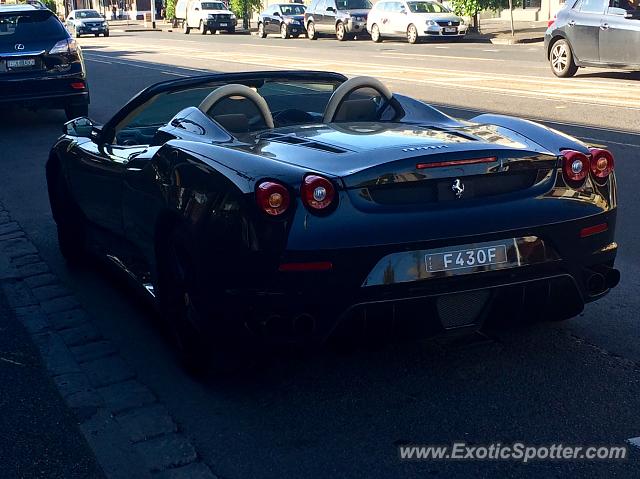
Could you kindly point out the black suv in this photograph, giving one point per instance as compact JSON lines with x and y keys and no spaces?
{"x":342,"y":18}
{"x":41,"y":66}
{"x":595,"y":33}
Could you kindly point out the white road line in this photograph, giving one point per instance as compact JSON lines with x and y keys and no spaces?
{"x":610,"y":142}
{"x":426,"y":55}
{"x":97,"y":61}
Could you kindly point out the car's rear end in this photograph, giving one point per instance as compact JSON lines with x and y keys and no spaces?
{"x":40,"y":65}
{"x":440,"y":228}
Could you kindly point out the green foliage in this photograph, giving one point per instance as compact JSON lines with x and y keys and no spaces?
{"x":471,"y":7}
{"x":170,"y":11}
{"x":51,"y":5}
{"x":244,"y":8}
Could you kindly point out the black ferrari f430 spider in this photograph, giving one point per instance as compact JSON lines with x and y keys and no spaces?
{"x":286,"y":204}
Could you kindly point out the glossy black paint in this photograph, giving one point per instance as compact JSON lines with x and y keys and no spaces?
{"x":273,"y":18}
{"x":199,"y":179}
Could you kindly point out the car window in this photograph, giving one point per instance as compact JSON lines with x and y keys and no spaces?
{"x":26,"y":26}
{"x":592,"y":6}
{"x":624,"y":4}
{"x":353,"y":4}
{"x":87,"y":14}
{"x":292,"y":9}
{"x":427,"y":7}
{"x":396,"y":7}
{"x":213,"y":6}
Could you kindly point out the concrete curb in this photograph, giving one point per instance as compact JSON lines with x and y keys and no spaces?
{"x":129,"y":430}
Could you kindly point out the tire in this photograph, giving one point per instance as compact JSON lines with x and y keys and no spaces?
{"x":284,"y":31}
{"x":232,"y":30}
{"x":185,"y":27}
{"x":76,"y":34}
{"x":106,"y":34}
{"x":70,"y":221}
{"x":261,"y":32}
{"x":202,"y":28}
{"x":76,"y":111}
{"x":412,"y":34}
{"x":311,"y":31}
{"x":96,"y":35}
{"x":341,"y":34}
{"x":375,"y":33}
{"x":561,"y":59}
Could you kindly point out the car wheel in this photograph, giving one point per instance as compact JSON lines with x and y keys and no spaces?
{"x":341,"y":35}
{"x":76,"y":34}
{"x":261,"y":32}
{"x":232,"y":30}
{"x":202,"y":28}
{"x":561,"y":59}
{"x":311,"y":31}
{"x":375,"y":33}
{"x":185,"y":28}
{"x":76,"y":111}
{"x":412,"y":34}
{"x":69,"y":219}
{"x":106,"y":34}
{"x":284,"y":31}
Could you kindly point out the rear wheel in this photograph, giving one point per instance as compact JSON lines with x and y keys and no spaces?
{"x":412,"y":34}
{"x":341,"y":33}
{"x":284,"y":31}
{"x":561,"y":59}
{"x":311,"y":31}
{"x":375,"y":33}
{"x":76,"y":111}
{"x":70,"y":221}
{"x":261,"y":32}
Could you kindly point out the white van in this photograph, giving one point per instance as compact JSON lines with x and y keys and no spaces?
{"x":205,"y":15}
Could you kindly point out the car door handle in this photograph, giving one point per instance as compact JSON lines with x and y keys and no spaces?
{"x":604,"y":26}
{"x":571,"y":23}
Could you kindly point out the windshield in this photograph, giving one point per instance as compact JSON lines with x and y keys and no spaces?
{"x":292,"y":9}
{"x":213,"y":6}
{"x":353,"y":5}
{"x":29,"y":26}
{"x":87,"y":14}
{"x":427,"y":7}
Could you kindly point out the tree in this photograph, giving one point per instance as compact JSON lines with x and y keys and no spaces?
{"x":170,"y":11}
{"x":51,"y":5}
{"x":473,"y":7}
{"x":244,"y":8}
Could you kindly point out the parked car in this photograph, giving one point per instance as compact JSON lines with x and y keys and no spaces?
{"x":41,"y":66}
{"x":594,"y":33}
{"x":287,"y":19}
{"x":280,"y":205}
{"x":87,"y":22}
{"x":413,"y":20}
{"x":206,"y":16}
{"x":342,"y":18}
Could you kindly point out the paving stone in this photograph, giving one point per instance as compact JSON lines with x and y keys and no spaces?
{"x":146,"y":423}
{"x":35,"y":322}
{"x":17,"y":247}
{"x":32,"y":269}
{"x":81,"y":334}
{"x":195,"y":470}
{"x":166,"y":451}
{"x":5,"y":218}
{"x":18,"y":294}
{"x":125,"y":396}
{"x":67,"y":319}
{"x":26,"y":310}
{"x":28,"y":259}
{"x":57,"y":305}
{"x":41,"y":280}
{"x":85,"y":404}
{"x":10,"y":236}
{"x":51,"y":291}
{"x":71,"y":383}
{"x":56,"y":355}
{"x":93,"y":350}
{"x":109,"y":370}
{"x":11,"y":227}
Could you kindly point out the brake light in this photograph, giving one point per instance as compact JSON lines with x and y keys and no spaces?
{"x":317,"y":193}
{"x":601,"y":163}
{"x":575,"y":166}
{"x":64,"y":46}
{"x":552,"y":21}
{"x":471,"y":161}
{"x":77,"y":85}
{"x":272,"y":198}
{"x":593,"y":230}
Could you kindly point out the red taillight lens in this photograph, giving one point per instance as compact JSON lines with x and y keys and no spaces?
{"x":317,"y":193}
{"x":551,"y":21}
{"x":273,"y":198}
{"x":78,"y":85}
{"x":575,"y":166}
{"x":593,"y":230}
{"x":601,"y":163}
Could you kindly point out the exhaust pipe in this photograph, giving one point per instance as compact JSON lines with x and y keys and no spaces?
{"x":596,"y":283}
{"x":611,"y":275}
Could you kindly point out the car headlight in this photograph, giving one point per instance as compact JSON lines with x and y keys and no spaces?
{"x":210,"y":17}
{"x":431,"y":23}
{"x":233,"y":17}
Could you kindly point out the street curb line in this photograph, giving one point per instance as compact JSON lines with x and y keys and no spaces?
{"x":131,"y":433}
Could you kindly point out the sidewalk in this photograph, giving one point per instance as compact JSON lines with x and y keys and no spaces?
{"x":498,"y":31}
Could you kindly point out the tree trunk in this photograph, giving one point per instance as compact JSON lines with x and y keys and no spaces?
{"x":511,"y":15}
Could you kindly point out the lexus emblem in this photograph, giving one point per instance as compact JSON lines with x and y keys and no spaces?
{"x":19,"y":46}
{"x":458,"y":188}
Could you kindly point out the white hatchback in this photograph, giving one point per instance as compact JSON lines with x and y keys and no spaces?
{"x":413,"y":19}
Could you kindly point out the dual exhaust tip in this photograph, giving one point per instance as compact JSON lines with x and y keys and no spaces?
{"x":600,"y":279}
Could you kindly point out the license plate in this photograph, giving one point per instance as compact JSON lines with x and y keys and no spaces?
{"x":450,"y":29}
{"x":95,"y":29}
{"x":22,"y":63}
{"x":473,"y":258}
{"x":223,"y":24}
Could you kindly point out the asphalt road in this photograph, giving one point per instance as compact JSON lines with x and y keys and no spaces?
{"x":337,"y":413}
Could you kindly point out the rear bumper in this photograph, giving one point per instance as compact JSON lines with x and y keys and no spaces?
{"x":44,"y":92}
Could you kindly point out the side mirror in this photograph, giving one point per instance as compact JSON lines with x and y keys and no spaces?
{"x":80,"y":127}
{"x":276,"y":14}
{"x":403,"y":11}
{"x":331,"y":9}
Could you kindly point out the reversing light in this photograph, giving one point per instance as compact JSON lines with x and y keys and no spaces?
{"x":602,"y":163}
{"x":272,"y":198}
{"x":317,"y":192}
{"x":575,"y":166}
{"x":64,"y":46}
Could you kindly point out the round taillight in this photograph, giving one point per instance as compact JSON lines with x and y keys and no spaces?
{"x":575,"y":166}
{"x":317,"y":192}
{"x":601,"y":163}
{"x":273,"y":198}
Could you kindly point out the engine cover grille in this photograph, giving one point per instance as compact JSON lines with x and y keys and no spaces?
{"x":462,"y":309}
